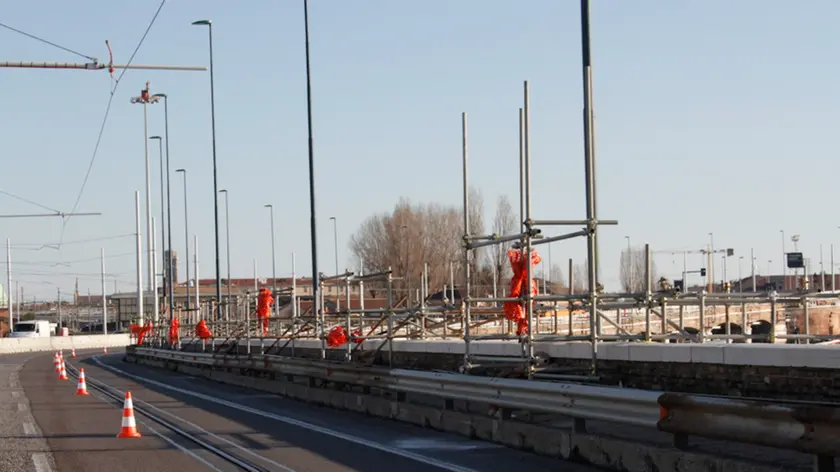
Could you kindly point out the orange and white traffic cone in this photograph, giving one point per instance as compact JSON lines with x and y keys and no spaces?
{"x":105,"y":349}
{"x":62,"y":375}
{"x":73,"y":352}
{"x":129,"y":426}
{"x":56,"y":362}
{"x":81,"y":386}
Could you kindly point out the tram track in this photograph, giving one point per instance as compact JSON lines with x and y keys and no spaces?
{"x":244,"y":459}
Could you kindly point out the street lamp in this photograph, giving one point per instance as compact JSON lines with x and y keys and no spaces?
{"x":273,"y":259}
{"x":784,"y":257}
{"x":187,"y":241}
{"x":209,"y":25}
{"x":172,"y":275}
{"x":740,"y":280}
{"x":335,"y":241}
{"x":227,"y":238}
{"x":312,"y":219}
{"x":146,"y":99}
{"x":162,"y":220}
{"x":630,"y":266}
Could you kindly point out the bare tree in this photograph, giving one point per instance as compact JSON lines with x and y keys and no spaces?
{"x":558,"y":280}
{"x":416,"y":234}
{"x":504,"y":223}
{"x":476,"y":212}
{"x":632,"y":270}
{"x":581,"y":278}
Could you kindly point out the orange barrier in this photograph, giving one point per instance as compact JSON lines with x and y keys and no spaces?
{"x":173,"y":330}
{"x":202,"y":331}
{"x":515,"y":311}
{"x":337,"y":336}
{"x":264,"y":301}
{"x":140,"y":331}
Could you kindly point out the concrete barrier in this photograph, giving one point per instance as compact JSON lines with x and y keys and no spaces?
{"x":605,"y":452}
{"x":56,"y":343}
{"x":776,"y":355}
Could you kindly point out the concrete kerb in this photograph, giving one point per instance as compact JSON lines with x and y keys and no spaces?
{"x":610,"y":453}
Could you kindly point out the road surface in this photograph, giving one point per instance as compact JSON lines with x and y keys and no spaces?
{"x":211,"y":427}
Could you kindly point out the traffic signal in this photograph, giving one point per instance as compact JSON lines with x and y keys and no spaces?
{"x":703,"y":272}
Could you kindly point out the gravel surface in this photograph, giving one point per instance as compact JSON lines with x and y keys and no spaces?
{"x":23,"y":448}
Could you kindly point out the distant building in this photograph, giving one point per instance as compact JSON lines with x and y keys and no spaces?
{"x":4,"y":300}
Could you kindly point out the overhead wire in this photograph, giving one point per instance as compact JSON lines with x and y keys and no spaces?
{"x":39,"y":246}
{"x":65,"y":263}
{"x":32,"y":36}
{"x":17,"y":197}
{"x":105,"y":121}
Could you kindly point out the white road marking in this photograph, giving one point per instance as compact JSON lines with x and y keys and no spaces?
{"x":22,"y":407}
{"x":41,"y":463}
{"x":295,"y":422}
{"x":29,"y":429}
{"x":443,"y":445}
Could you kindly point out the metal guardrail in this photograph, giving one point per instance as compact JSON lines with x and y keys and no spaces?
{"x":628,"y":406}
{"x":803,"y":427}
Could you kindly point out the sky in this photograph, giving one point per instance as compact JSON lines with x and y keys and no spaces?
{"x":711,"y":116}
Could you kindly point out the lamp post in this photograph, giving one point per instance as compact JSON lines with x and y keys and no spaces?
{"x":145,"y":99}
{"x":712,"y":262}
{"x":335,"y":241}
{"x":273,"y":259}
{"x":187,"y":241}
{"x":209,"y":25}
{"x":172,"y":275}
{"x":784,"y":257}
{"x":740,"y":279}
{"x":163,"y":253}
{"x":630,"y":265}
{"x":312,"y":219}
{"x":227,"y":242}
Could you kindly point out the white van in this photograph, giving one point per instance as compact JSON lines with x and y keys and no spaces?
{"x":31,"y":329}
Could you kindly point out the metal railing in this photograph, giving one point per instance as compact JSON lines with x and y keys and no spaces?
{"x":803,"y":427}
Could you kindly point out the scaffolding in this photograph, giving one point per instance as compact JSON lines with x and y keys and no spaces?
{"x":659,"y":314}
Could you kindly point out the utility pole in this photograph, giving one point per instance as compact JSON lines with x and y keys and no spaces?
{"x":9,"y":297}
{"x":104,"y":297}
{"x":58,"y":309}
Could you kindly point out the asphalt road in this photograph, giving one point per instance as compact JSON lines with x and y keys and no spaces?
{"x":69,"y":433}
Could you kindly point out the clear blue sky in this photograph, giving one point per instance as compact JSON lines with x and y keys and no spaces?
{"x":711,"y":116}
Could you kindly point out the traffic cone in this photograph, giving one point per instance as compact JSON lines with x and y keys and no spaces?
{"x":129,"y":426}
{"x":81,"y":387}
{"x":56,"y":362}
{"x":73,"y":352}
{"x":105,"y":349}
{"x":63,"y":374}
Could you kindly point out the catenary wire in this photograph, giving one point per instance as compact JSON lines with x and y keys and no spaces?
{"x":105,"y":122}
{"x":32,"y":36}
